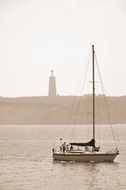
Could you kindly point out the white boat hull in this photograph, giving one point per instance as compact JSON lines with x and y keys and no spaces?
{"x":85,"y":157}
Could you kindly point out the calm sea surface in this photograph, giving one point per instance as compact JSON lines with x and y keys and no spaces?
{"x":26,"y":160}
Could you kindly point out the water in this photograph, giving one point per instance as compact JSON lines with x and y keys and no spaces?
{"x":26,"y":161}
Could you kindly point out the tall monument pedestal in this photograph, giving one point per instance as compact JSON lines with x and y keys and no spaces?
{"x":52,"y":85}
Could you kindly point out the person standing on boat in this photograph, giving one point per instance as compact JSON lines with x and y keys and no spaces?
{"x":61,"y":145}
{"x":61,"y":149}
{"x":64,"y":147}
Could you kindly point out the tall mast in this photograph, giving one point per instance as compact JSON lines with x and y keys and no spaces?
{"x":93,"y":77}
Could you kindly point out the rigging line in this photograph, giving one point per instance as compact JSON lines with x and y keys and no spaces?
{"x":106,"y":102}
{"x":99,"y":109}
{"x":82,"y":88}
{"x":75,"y":99}
{"x":85,"y":69}
{"x":77,"y":109}
{"x":107,"y":106}
{"x":99,"y":129}
{"x":88,"y":116}
{"x":87,"y":126}
{"x":112,"y":126}
{"x":98,"y":112}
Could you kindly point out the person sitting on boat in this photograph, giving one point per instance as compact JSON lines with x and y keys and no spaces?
{"x":95,"y":149}
{"x":71,"y":148}
{"x":86,"y":148}
{"x":78,"y":148}
{"x":67,"y":147}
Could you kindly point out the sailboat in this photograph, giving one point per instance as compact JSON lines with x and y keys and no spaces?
{"x":89,"y":153}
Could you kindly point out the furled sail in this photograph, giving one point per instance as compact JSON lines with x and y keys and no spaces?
{"x":90,"y":143}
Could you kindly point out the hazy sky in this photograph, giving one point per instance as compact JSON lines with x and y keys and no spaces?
{"x":39,"y":35}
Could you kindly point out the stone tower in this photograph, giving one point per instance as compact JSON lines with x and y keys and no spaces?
{"x":52,"y":85}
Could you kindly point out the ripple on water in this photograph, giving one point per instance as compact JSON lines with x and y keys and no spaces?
{"x":28,"y":164}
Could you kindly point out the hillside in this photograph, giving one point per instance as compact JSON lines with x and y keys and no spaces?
{"x":61,"y":110}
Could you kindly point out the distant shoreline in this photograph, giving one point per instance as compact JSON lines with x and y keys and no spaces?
{"x":60,"y":110}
